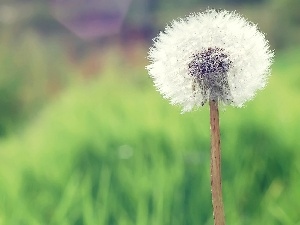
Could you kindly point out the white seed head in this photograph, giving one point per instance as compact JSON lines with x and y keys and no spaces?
{"x":214,"y":55}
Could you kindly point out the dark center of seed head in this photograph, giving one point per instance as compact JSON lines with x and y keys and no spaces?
{"x":209,"y":69}
{"x":211,"y":61}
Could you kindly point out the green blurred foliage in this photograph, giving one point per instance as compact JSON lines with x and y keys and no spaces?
{"x":28,"y":77}
{"x":114,"y":152}
{"x":285,"y":29}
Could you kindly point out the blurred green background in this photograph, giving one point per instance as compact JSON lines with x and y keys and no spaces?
{"x":86,"y":139}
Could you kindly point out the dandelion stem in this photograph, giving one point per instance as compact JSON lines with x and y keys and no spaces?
{"x":215,"y":167}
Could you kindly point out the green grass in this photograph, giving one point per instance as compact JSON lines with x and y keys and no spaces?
{"x":113,"y":152}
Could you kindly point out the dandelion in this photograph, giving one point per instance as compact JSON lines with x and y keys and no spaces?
{"x":214,"y":56}
{"x":210,"y":55}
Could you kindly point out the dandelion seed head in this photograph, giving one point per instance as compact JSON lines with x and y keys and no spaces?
{"x":215,"y":55}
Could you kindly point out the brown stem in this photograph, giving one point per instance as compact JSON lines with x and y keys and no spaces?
{"x":215,"y":167}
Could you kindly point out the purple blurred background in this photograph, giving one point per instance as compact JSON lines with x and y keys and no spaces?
{"x":91,"y":19}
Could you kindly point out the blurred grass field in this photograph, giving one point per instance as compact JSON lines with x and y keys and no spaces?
{"x":113,"y":152}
